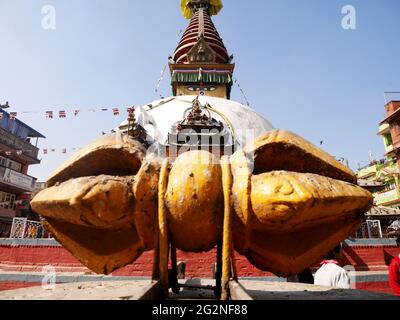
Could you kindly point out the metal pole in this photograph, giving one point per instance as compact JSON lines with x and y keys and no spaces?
{"x":227,"y":231}
{"x":156,"y":256}
{"x":218,"y":273}
{"x":163,"y":229}
{"x":174,"y":272}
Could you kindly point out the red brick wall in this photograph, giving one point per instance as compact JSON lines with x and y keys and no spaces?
{"x":32,"y":258}
{"x":36,"y":255}
{"x":369,"y":258}
{"x":364,"y":258}
{"x":13,"y":285}
{"x":197,"y":266}
{"x":382,"y":287}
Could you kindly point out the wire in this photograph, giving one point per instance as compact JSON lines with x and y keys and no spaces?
{"x":242,"y":91}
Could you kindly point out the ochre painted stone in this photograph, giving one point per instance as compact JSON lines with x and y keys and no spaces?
{"x":291,"y":203}
{"x":284,"y":150}
{"x":285,"y":221}
{"x":195,"y":203}
{"x":102,"y":203}
{"x":286,"y":201}
{"x":113,"y":154}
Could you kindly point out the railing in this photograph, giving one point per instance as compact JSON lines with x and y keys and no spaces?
{"x":16,"y":143}
{"x":367,"y":170}
{"x":385,"y":197}
{"x":22,"y":228}
{"x":17,"y":179}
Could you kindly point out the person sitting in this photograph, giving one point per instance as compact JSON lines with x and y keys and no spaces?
{"x":331,"y":273}
{"x":394,"y":272}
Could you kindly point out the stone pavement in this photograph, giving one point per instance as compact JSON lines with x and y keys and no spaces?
{"x":110,"y":290}
{"x":135,"y":289}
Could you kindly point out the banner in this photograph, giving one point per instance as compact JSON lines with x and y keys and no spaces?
{"x":18,"y":179}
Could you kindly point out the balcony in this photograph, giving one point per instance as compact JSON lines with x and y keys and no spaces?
{"x":367,"y":171}
{"x":29,"y":151}
{"x":386,"y":197}
{"x":17,"y":180}
{"x":389,"y":149}
{"x":384,"y":129}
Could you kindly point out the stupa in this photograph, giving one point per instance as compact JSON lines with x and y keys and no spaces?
{"x":196,"y":171}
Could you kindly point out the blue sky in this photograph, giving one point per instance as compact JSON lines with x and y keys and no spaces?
{"x":298,"y":66}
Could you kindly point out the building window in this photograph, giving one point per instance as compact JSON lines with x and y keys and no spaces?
{"x":13,"y":165}
{"x":7,"y":200}
{"x":388,"y":140}
{"x":3,"y":161}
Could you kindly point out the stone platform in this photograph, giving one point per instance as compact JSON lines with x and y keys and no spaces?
{"x":107,"y":290}
{"x":145,"y":289}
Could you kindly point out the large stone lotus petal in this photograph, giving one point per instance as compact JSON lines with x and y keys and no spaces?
{"x":104,"y":202}
{"x":284,"y":150}
{"x":112,"y":154}
{"x":101,"y":205}
{"x":293,"y":203}
{"x":102,"y":251}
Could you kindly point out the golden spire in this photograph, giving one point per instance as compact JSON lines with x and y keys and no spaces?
{"x":188,"y":6}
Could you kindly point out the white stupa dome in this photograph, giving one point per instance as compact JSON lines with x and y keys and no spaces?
{"x":158,"y":117}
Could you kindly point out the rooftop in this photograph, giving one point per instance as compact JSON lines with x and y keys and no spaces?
{"x":18,"y":127}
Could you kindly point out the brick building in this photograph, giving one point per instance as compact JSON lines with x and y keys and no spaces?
{"x":382,"y":177}
{"x":18,"y":150}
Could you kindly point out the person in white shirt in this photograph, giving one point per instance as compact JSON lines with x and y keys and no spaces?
{"x":331,"y":273}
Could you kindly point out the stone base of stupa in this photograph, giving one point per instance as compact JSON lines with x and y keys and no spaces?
{"x":148,"y":290}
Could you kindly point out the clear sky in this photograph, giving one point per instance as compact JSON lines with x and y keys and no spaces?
{"x":298,"y":66}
